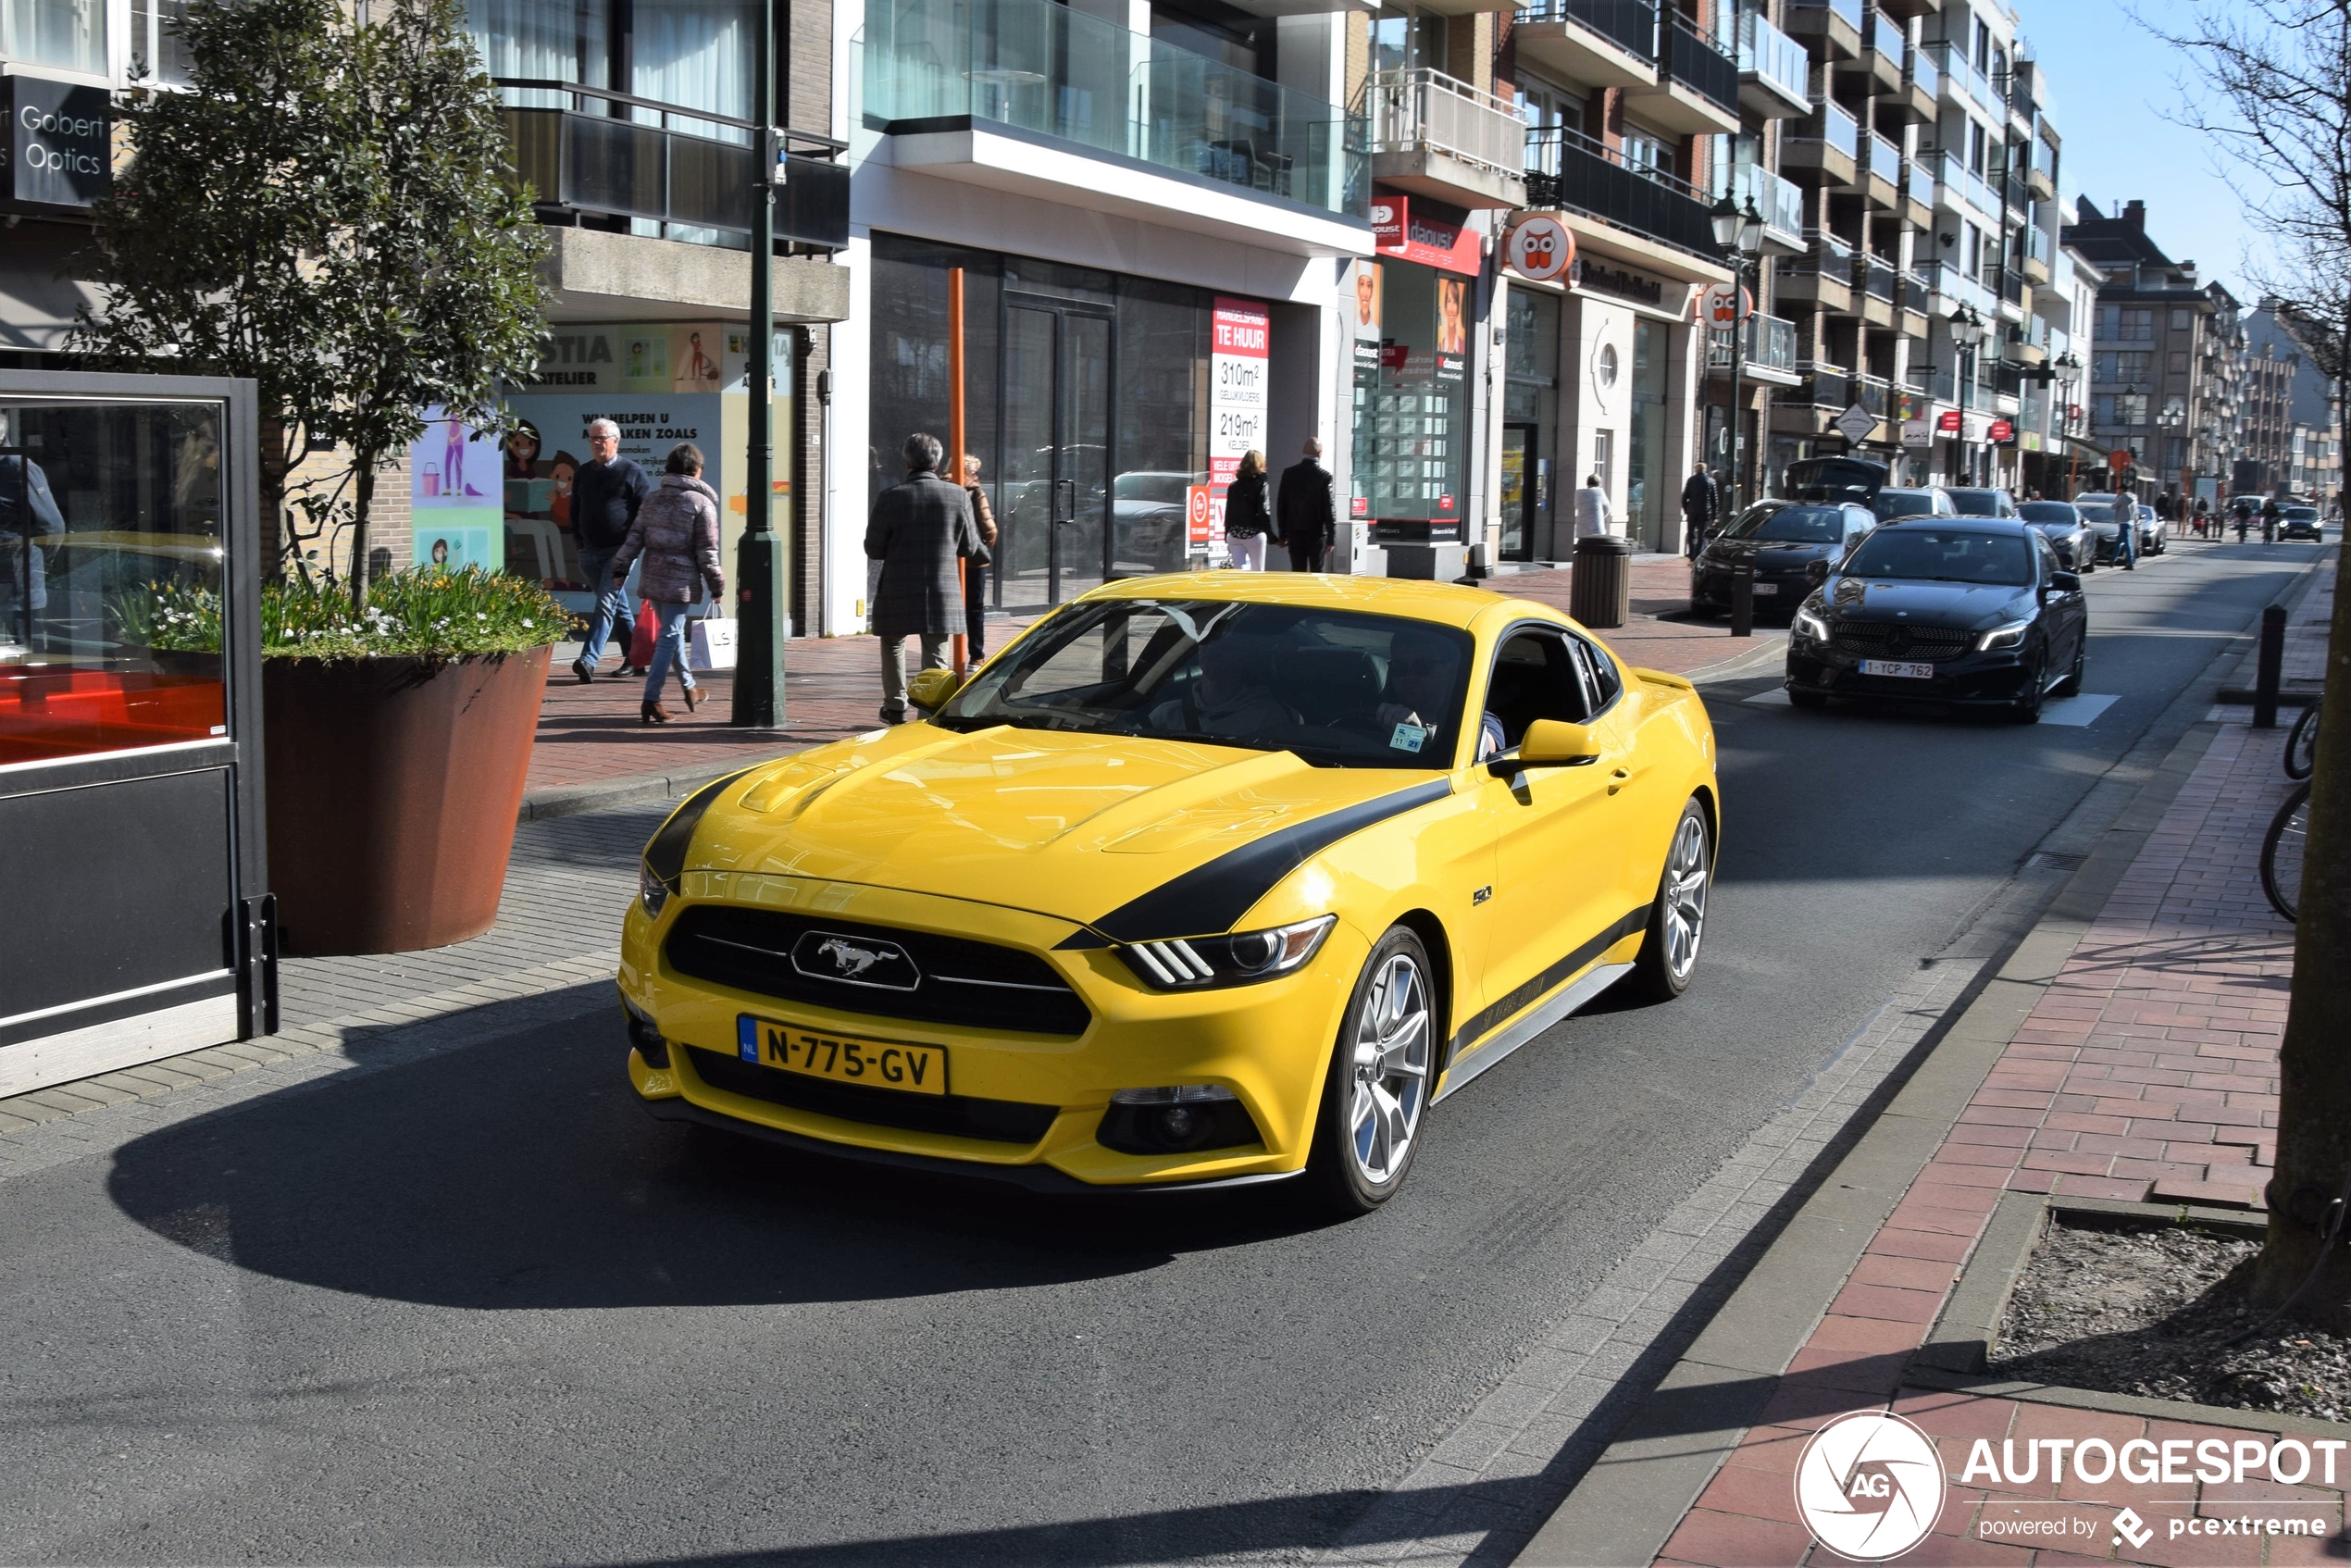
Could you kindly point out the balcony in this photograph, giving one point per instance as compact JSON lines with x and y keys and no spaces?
{"x":1780,"y":201}
{"x":609,"y":155}
{"x":1836,"y":23}
{"x":1568,"y":169}
{"x":1875,"y":282}
{"x":1775,"y":81}
{"x":2027,"y":343}
{"x":1822,"y":276}
{"x":2038,"y":253}
{"x":1037,"y":98}
{"x":1883,"y":46}
{"x":1435,"y":136}
{"x":1912,"y":302}
{"x":1698,"y":90}
{"x":1921,"y":84}
{"x":1606,"y":43}
{"x":1963,"y":190}
{"x":1881,"y":172}
{"x":1953,"y":288}
{"x":1823,"y":387}
{"x":1962,"y":81}
{"x":1771,"y":349}
{"x":1917,"y":194}
{"x":2043,"y":176}
{"x":1825,"y":146}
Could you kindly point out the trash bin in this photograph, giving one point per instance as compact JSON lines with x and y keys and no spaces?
{"x":1600,"y":593}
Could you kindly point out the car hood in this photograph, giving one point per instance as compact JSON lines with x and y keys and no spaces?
{"x":1767,"y":552}
{"x":1080,"y":826}
{"x":1965,"y":606}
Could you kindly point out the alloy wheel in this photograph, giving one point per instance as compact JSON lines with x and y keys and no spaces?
{"x":1685,"y":898}
{"x":1390,"y":1076}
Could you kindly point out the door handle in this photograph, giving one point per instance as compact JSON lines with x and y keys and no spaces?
{"x":1065,"y":501}
{"x":1618,"y":778}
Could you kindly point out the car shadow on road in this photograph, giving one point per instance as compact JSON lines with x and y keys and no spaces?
{"x":523,"y":1174}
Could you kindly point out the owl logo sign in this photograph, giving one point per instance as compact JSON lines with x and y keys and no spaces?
{"x":1539,"y":247}
{"x":1726,"y":305}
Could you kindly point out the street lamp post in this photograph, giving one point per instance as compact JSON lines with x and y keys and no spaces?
{"x":1967,"y":334}
{"x":759,"y":558}
{"x":1740,"y":233}
{"x":2068,"y":371}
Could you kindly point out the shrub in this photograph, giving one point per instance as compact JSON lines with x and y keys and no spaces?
{"x":426,"y":612}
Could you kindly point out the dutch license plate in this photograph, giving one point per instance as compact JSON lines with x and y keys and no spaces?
{"x":1766,"y":590}
{"x":917,"y":1069}
{"x":1890,"y":666}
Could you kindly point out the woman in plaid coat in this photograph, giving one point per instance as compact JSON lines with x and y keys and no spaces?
{"x":918,"y":530}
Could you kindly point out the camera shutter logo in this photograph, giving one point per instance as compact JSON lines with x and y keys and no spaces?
{"x":1870,"y":1485}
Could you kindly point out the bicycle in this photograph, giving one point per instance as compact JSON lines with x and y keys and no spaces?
{"x":2302,"y":742}
{"x":2282,"y":850}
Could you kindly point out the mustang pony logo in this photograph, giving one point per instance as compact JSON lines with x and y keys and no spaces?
{"x":850,"y":961}
{"x":854,"y":960}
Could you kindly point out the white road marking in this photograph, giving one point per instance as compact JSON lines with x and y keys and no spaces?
{"x":1775,"y":698}
{"x":2077,"y":712}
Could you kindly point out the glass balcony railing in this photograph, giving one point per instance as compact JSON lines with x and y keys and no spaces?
{"x":1828,"y":256}
{"x":2045,"y":160}
{"x":1923,"y":71}
{"x":1772,"y":56}
{"x":1886,"y":36}
{"x":1055,"y":70}
{"x":1830,"y":125}
{"x":1918,"y":182}
{"x":1567,"y":168}
{"x":1957,"y":288}
{"x":1822,"y":388}
{"x":1852,"y":11}
{"x":1873,"y":392}
{"x":1874,"y":277}
{"x":2037,"y":246}
{"x":1771,"y":345}
{"x":1964,"y":185}
{"x":1780,"y":201}
{"x":1631,"y":25}
{"x":1884,"y":159}
{"x":1962,"y":80}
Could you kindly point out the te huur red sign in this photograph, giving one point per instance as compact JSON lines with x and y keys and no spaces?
{"x":1423,"y":235}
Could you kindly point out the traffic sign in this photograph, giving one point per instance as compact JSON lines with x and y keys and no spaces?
{"x":2119,"y":459}
{"x":1540,"y":247}
{"x":1856,"y":423}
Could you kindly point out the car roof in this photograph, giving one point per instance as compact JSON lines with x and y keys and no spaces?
{"x":2014,"y":526}
{"x":1444,"y":603}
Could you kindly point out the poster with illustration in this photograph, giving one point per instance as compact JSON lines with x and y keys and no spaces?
{"x":437,"y":541}
{"x":456,"y":495}
{"x":648,"y":356}
{"x":547,"y":447}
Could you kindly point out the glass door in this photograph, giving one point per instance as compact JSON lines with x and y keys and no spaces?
{"x":1522,"y":494}
{"x":1054,"y":497}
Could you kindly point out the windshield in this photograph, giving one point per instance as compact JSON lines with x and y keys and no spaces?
{"x":2302,"y":512}
{"x":1975,"y":502}
{"x":1807,"y":525}
{"x":1941,"y":554}
{"x":1167,"y":489}
{"x":1892,"y":503}
{"x":1340,"y":690}
{"x":2050,"y":514}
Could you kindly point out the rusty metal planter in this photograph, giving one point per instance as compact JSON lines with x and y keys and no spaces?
{"x":394,"y":785}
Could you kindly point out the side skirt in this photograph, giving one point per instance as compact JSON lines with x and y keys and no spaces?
{"x":1541,"y":1018}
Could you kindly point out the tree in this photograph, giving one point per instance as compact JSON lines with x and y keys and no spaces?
{"x":324,"y":211}
{"x":2278,"y":74}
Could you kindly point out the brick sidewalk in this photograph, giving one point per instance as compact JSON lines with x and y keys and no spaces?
{"x":590,"y":735}
{"x":2147,"y":1071}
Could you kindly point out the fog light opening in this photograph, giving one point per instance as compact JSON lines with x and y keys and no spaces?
{"x":646,"y":1036}
{"x":1176,"y":1118}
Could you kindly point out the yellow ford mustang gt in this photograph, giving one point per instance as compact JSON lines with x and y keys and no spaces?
{"x":1202,"y":882}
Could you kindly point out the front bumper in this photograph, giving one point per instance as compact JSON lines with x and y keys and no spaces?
{"x":2000,"y":676}
{"x":1269,"y":1044}
{"x":1775,"y":592}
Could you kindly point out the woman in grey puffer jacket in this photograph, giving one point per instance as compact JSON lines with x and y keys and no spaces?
{"x":676,"y":531}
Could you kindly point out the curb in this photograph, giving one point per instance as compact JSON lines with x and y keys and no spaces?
{"x":572,"y":798}
{"x":1629,"y":1504}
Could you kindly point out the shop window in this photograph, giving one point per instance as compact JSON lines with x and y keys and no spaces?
{"x":110,"y":577}
{"x":67,"y":34}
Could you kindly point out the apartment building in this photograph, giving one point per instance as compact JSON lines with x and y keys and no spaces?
{"x":2287,"y":422}
{"x":2166,"y":358}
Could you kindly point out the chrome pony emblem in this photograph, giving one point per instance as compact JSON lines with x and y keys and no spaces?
{"x":854,"y":960}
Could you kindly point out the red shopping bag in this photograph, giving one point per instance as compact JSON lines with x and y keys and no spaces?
{"x":641,"y":646}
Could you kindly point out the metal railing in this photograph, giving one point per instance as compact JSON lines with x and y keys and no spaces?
{"x":1771,"y":345}
{"x":1567,"y":168}
{"x":595,"y":151}
{"x":1053,"y":70}
{"x":1774,"y":57}
{"x":1631,"y":25}
{"x":1698,"y":59}
{"x":1423,"y":107}
{"x":1780,"y":201}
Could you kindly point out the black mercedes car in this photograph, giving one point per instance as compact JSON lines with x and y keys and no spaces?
{"x":1975,"y":611}
{"x":1783,"y":541}
{"x":2070,"y":533}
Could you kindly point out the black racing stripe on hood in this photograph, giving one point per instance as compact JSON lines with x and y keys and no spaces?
{"x":1209,"y":899}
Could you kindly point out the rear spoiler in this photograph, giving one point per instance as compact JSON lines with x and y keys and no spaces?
{"x":1659,"y":677}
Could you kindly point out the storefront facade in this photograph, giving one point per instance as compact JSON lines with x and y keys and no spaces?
{"x":1417,"y":306}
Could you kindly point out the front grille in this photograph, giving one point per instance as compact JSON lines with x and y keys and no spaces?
{"x":938,"y":979}
{"x":953,"y":1115}
{"x":1898,"y":640}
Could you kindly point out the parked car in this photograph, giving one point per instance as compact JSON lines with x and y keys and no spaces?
{"x":2097,"y":507}
{"x":1931,"y":501}
{"x":2068,"y":532}
{"x":1983,"y":504}
{"x":1976,"y":612}
{"x":1788,"y":545}
{"x":2302,"y":522}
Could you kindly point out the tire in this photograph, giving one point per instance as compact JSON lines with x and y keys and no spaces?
{"x":2281,"y":853}
{"x":1383,"y":1067}
{"x":1677,"y":917}
{"x":2071,"y":685}
{"x":2027,"y":708}
{"x":1803,"y":699}
{"x":2302,"y":744}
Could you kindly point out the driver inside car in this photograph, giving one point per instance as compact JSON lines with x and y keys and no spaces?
{"x":1229,"y":697}
{"x":1420,"y":688}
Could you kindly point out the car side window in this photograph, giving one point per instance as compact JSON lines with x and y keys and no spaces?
{"x":2049,"y":565}
{"x":1858,"y":524}
{"x":1534,"y":676}
{"x":1598,"y":671}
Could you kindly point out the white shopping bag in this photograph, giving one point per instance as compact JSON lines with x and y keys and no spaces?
{"x":711,"y":644}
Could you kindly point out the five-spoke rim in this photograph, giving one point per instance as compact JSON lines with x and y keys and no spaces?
{"x":1389,"y":1082}
{"x":1684,"y":895}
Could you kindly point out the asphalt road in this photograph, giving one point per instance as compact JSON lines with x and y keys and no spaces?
{"x":481,"y":1308}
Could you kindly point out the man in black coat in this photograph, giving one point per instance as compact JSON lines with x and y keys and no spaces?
{"x":1701,"y":504}
{"x":1305,"y":512}
{"x":917,"y":530}
{"x":605,"y":494}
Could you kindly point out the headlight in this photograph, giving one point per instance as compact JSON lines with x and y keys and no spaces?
{"x":1810,"y":625}
{"x":1239,"y":959}
{"x":2008,"y":636}
{"x":665,"y":857}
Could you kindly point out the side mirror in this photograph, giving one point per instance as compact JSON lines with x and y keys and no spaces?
{"x":2066,"y":583}
{"x":1550,"y":743}
{"x":932,"y":690}
{"x":1816,"y":572}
